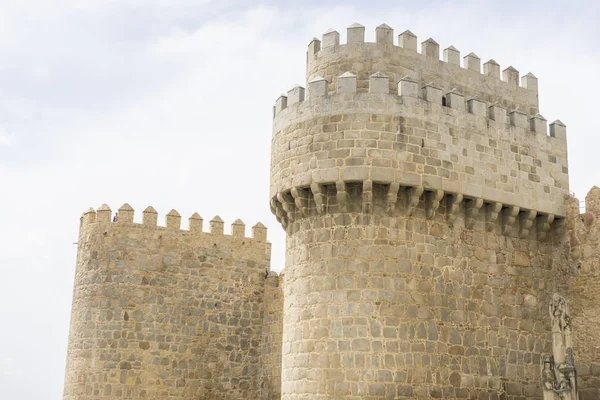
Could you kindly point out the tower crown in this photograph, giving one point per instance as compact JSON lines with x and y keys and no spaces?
{"x":385,"y":122}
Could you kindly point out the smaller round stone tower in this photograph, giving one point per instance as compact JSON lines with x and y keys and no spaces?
{"x":161,"y":312}
{"x":418,"y":198}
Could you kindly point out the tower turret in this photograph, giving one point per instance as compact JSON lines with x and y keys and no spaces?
{"x":418,"y":199}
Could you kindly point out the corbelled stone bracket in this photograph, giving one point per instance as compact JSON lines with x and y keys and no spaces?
{"x":526,"y":219}
{"x":392,"y":197}
{"x":472,"y":211}
{"x":287,"y":203}
{"x":300,"y":200}
{"x":453,"y":206}
{"x":432,"y":202}
{"x":367,"y":196}
{"x":544,"y":222}
{"x":319,"y":196}
{"x":413,"y":195}
{"x":491,"y":215}
{"x":277,"y":209}
{"x":342,"y":196}
{"x":509,"y":219}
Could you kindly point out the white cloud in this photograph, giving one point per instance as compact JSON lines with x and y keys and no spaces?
{"x":6,"y":138}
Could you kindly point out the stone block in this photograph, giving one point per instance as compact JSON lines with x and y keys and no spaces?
{"x":452,"y":55}
{"x":379,"y":83}
{"x":330,"y":38}
{"x":408,"y":87}
{"x":384,"y":35}
{"x":491,"y":68}
{"x":408,"y":40}
{"x":346,"y":83}
{"x":472,"y":62}
{"x":356,"y":33}
{"x":430,"y":48}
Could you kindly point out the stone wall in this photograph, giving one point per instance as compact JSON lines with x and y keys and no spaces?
{"x":582,"y":285}
{"x":272,"y":334}
{"x":160,"y":312}
{"x":380,"y":306}
{"x":415,"y":141}
{"x":329,"y":59}
{"x":419,"y":200}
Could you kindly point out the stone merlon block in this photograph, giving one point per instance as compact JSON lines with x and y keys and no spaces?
{"x":455,"y":99}
{"x":217,"y":226}
{"x":408,"y":87}
{"x":125,"y":214}
{"x":518,"y":118}
{"x":330,"y":38}
{"x":432,"y":93}
{"x":452,"y":55}
{"x":472,"y":62}
{"x":356,"y":33}
{"x":384,"y":35}
{"x":196,"y":222}
{"x":558,"y":130}
{"x":295,"y":95}
{"x":476,"y":106}
{"x":430,"y":48}
{"x":259,"y":232}
{"x":89,"y":216}
{"x":538,"y":124}
{"x":511,"y":75}
{"x":497,"y":113}
{"x":346,"y":83}
{"x":314,"y":46}
{"x":491,"y":68}
{"x":318,"y":87}
{"x":379,"y":83}
{"x":149,"y":216}
{"x":281,"y":103}
{"x":530,"y":82}
{"x":173,"y":220}
{"x":238,"y":228}
{"x":407,"y":40}
{"x":103,"y":214}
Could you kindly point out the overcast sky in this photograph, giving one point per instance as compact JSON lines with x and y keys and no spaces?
{"x":168,"y":103}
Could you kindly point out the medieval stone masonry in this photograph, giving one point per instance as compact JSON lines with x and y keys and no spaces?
{"x":430,"y":229}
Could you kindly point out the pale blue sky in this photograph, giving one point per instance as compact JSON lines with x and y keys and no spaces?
{"x":168,"y":103}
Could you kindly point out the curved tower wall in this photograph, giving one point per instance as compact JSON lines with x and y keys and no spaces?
{"x":419,"y":222}
{"x":160,"y":312}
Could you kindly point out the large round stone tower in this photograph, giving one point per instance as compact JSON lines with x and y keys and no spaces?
{"x":421,"y":201}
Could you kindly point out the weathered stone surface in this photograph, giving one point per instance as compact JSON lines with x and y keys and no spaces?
{"x":428,"y":222}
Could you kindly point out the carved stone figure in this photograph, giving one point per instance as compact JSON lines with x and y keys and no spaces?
{"x":559,"y":378}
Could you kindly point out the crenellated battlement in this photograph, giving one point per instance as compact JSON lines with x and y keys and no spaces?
{"x":381,"y":114}
{"x":125,"y":217}
{"x":155,"y":306}
{"x":328,"y":58}
{"x":408,"y":87}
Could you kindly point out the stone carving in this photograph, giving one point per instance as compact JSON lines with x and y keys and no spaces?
{"x":559,"y":378}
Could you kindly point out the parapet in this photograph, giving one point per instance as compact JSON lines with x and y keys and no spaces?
{"x":328,"y":58}
{"x":431,"y":92}
{"x":125,"y":217}
{"x":419,"y":124}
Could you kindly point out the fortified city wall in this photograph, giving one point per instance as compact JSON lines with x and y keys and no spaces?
{"x":423,"y":207}
{"x":162,"y":312}
{"x":428,"y":223}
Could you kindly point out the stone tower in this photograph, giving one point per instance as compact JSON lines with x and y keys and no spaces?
{"x":423,"y":204}
{"x":162,"y":312}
